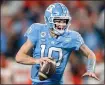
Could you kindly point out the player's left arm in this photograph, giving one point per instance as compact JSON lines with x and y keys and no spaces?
{"x":91,"y":61}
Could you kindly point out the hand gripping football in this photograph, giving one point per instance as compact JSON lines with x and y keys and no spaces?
{"x":47,"y":70}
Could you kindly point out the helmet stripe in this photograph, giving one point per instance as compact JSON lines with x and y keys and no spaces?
{"x":61,"y":8}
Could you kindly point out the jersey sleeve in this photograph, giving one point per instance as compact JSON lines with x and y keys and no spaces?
{"x":32,"y":33}
{"x":78,"y":41}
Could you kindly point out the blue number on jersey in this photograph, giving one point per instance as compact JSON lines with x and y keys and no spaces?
{"x":45,"y":45}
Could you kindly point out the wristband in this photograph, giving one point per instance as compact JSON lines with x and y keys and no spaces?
{"x":91,"y":65}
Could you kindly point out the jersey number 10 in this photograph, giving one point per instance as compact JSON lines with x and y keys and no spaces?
{"x":50,"y":51}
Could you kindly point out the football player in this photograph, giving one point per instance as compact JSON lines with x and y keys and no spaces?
{"x":53,"y":39}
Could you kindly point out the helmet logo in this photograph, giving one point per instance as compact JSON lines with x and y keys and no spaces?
{"x":49,"y":9}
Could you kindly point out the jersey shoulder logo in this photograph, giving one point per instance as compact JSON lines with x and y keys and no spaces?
{"x":67,"y":39}
{"x":43,"y":34}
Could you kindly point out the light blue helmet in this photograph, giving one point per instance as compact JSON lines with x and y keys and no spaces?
{"x":57,"y":11}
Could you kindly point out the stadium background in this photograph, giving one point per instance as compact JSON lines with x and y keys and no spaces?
{"x":17,"y":16}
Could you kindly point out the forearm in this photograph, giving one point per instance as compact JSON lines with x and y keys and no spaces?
{"x":91,"y":58}
{"x":91,"y":62}
{"x":25,"y":59}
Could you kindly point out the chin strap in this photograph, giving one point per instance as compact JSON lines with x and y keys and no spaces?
{"x":53,"y":34}
{"x":58,"y":32}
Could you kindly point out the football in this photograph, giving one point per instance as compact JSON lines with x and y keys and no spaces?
{"x":47,"y":69}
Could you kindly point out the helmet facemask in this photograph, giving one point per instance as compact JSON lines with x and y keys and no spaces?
{"x":60,"y":25}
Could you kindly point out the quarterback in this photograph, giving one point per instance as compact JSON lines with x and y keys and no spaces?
{"x":53,"y":39}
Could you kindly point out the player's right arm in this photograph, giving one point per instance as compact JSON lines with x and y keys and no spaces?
{"x":23,"y":57}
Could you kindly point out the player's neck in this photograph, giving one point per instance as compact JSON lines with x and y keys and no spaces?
{"x":53,"y":34}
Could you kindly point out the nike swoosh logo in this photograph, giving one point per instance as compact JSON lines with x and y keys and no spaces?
{"x":48,"y":70}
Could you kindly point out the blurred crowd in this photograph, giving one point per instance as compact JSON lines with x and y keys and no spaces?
{"x":17,"y":16}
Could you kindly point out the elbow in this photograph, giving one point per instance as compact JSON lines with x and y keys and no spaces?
{"x":18,"y":58}
{"x":92,"y":55}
